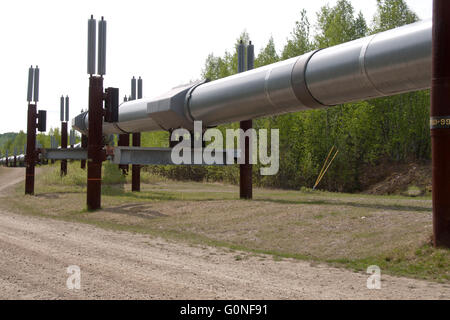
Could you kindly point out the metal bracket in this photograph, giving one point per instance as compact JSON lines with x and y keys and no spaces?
{"x":132,"y":155}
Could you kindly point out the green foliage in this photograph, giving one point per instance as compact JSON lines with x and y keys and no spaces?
{"x":218,"y":67}
{"x":12,"y":140}
{"x":267,"y":55}
{"x":300,"y":41}
{"x":112,"y":174}
{"x":6,"y":141}
{"x":391,"y":14}
{"x":155,"y":139}
{"x":76,"y":176}
{"x":338,"y":25}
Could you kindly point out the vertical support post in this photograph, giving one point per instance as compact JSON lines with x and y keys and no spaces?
{"x":440,"y":128}
{"x":135,"y":168}
{"x":95,"y":157}
{"x":31,"y":150}
{"x":72,"y":139}
{"x":84,"y":144}
{"x":52,"y":146}
{"x":124,"y":141}
{"x":15,"y":157}
{"x":136,"y":137}
{"x":245,"y":170}
{"x":63,"y":146}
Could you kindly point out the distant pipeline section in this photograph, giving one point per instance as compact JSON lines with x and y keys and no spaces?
{"x":385,"y":64}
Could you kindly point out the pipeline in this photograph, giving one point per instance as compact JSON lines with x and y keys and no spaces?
{"x":20,"y":158}
{"x":384,"y":64}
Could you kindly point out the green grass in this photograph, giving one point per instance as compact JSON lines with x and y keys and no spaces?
{"x":426,"y":262}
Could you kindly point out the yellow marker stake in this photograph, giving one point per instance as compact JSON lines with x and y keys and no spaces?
{"x":328,"y":166}
{"x":323,"y":167}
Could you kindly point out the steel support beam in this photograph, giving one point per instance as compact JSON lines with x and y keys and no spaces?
{"x":84,"y":144}
{"x":65,"y":154}
{"x":246,"y":169}
{"x":31,"y":150}
{"x":124,"y":141}
{"x":440,"y":122}
{"x":95,"y":146}
{"x":63,"y":171}
{"x":155,"y":156}
{"x":136,"y":168}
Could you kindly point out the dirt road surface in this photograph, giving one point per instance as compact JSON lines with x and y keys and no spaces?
{"x":36,"y":252}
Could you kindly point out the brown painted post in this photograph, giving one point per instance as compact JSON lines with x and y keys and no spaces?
{"x":136,"y":138}
{"x":440,"y":123}
{"x":245,"y":183}
{"x":95,"y":155}
{"x":15,"y":161}
{"x":84,"y":144}
{"x":31,"y":149}
{"x":124,"y":141}
{"x":63,"y":146}
{"x":135,"y":168}
{"x":246,"y":169}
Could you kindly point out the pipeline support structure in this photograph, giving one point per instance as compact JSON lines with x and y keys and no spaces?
{"x":63,"y":171}
{"x":396,"y":61}
{"x":440,"y":123}
{"x":31,"y":150}
{"x":95,"y":143}
{"x":246,"y":169}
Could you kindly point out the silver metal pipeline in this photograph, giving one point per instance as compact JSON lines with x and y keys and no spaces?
{"x":385,"y":64}
{"x":20,"y":158}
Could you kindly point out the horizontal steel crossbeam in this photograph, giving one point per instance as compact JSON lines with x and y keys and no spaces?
{"x":156,"y":156}
{"x":133,"y":155}
{"x":65,"y":154}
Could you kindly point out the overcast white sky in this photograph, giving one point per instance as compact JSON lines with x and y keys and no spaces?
{"x":165,"y":42}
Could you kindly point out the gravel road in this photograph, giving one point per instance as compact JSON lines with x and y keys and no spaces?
{"x":36,"y":252}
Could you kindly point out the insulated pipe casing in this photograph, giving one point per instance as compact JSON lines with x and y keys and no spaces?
{"x":384,"y":64}
{"x":252,"y":94}
{"x":392,"y":62}
{"x":388,"y":63}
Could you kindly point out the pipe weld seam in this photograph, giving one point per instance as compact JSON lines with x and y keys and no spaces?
{"x":299,"y":83}
{"x":362,"y":64}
